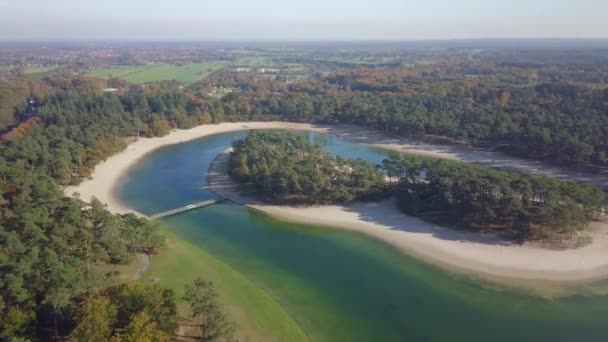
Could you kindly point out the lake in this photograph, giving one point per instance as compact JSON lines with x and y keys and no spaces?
{"x":342,"y":286}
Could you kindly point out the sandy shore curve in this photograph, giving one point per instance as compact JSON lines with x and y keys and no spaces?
{"x":486,"y":255}
{"x":108,"y":175}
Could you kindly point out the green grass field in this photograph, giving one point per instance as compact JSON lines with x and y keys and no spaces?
{"x":187,"y":73}
{"x":34,"y":70}
{"x":257,"y":315}
{"x":254,"y":61}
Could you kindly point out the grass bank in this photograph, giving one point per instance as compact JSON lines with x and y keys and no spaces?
{"x":257,"y":315}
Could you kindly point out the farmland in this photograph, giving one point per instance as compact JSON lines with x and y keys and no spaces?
{"x":37,"y":69}
{"x":187,"y":73}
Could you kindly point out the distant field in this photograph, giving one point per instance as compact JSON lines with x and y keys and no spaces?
{"x":254,"y":61}
{"x":33,"y":70}
{"x":364,"y":60}
{"x":187,"y":73}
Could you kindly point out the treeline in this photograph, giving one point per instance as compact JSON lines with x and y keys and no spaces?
{"x":483,"y":198}
{"x":284,"y":167}
{"x":558,"y":122}
{"x":539,"y":111}
{"x":561,"y":123}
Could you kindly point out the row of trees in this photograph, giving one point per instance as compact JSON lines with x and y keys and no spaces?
{"x":484,"y":198}
{"x":284,"y":167}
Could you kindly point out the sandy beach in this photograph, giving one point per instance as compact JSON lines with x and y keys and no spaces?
{"x":108,"y":174}
{"x":486,"y":255}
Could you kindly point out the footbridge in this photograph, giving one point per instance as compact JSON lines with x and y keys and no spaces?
{"x":185,"y":208}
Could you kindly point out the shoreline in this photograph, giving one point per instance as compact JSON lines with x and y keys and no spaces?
{"x":476,"y":254}
{"x":480,"y":255}
{"x":110,"y":174}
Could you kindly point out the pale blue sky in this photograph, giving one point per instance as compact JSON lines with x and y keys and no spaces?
{"x":302,"y":20}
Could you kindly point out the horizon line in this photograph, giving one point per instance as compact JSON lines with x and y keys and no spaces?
{"x":262,"y":40}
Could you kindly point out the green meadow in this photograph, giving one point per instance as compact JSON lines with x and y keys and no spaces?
{"x":257,"y":316}
{"x":254,"y":61}
{"x":187,"y":73}
{"x":37,"y":69}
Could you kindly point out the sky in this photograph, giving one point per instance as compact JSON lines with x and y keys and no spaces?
{"x":301,"y":20}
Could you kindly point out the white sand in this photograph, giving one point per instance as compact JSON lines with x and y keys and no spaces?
{"x":482,"y":254}
{"x":108,"y":174}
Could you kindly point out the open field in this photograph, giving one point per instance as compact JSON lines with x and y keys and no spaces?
{"x":39,"y":69}
{"x":159,"y":72}
{"x":258,"y":317}
{"x":254,"y":61}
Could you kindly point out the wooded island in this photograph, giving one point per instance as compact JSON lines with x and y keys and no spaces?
{"x":484,"y":198}
{"x":284,"y":167}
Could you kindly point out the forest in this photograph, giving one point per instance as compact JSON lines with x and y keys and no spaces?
{"x":51,"y":246}
{"x":285,"y":168}
{"x":557,"y":122}
{"x":541,"y":113}
{"x":483,"y":198}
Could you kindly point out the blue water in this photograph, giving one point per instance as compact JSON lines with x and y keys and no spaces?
{"x":174,"y":176}
{"x":341,"y":286}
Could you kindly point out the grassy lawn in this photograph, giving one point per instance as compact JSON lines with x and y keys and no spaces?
{"x":257,"y":315}
{"x":187,"y":73}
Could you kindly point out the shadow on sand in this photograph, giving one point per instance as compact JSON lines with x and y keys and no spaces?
{"x":387,"y":214}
